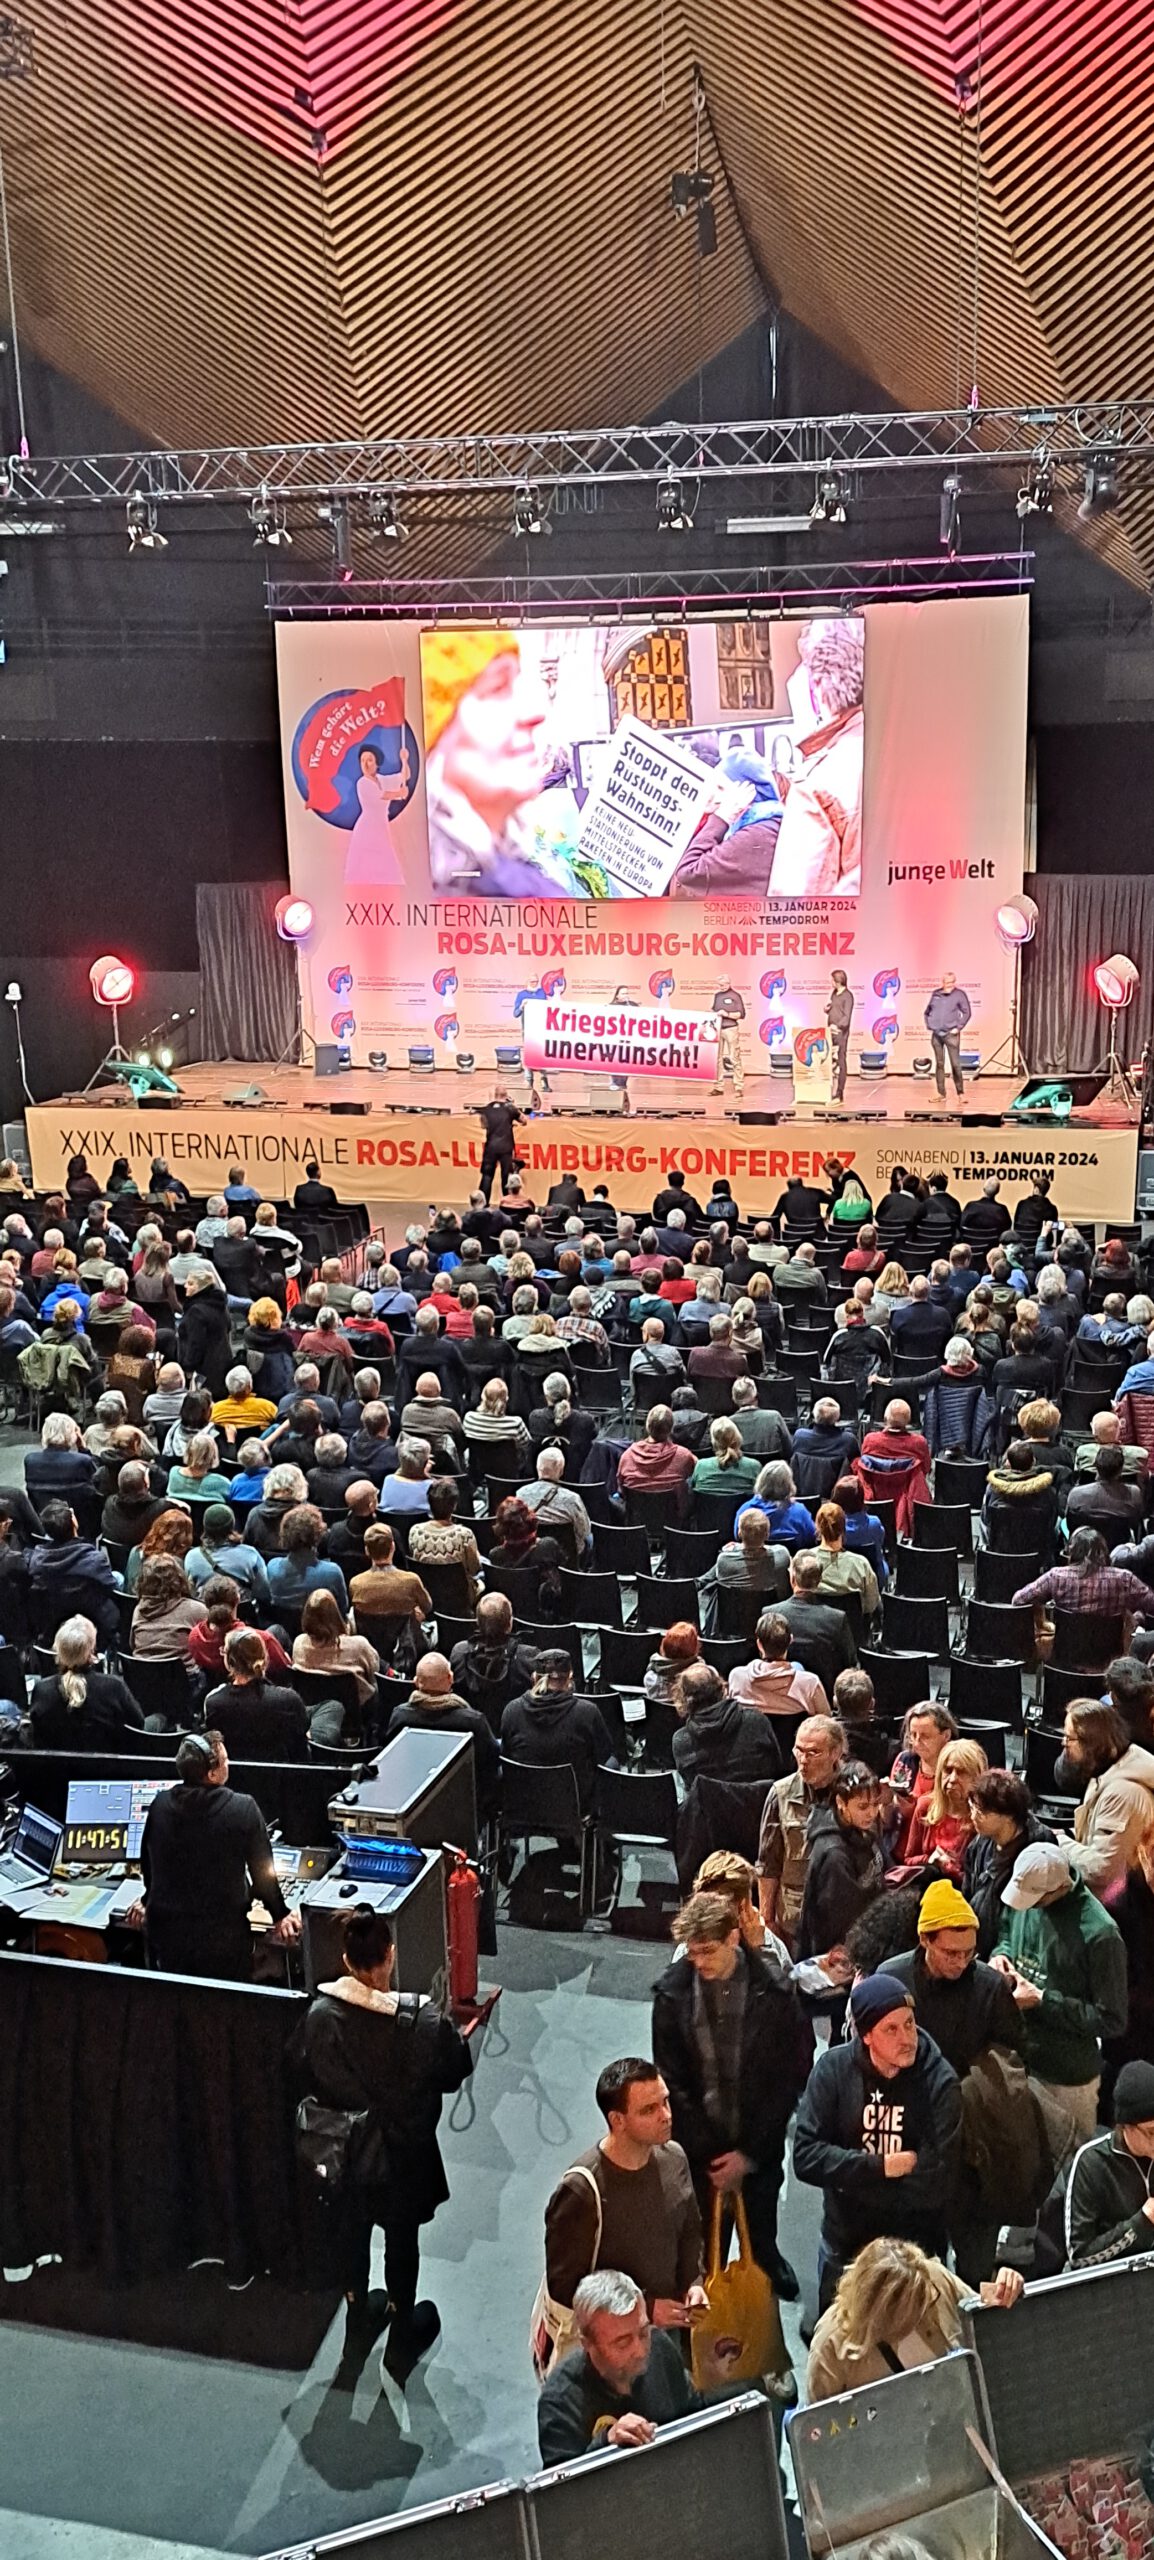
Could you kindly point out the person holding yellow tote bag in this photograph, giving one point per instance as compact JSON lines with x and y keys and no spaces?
{"x":738,"y":2339}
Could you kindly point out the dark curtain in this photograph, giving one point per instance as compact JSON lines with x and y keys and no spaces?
{"x":1083,"y":918}
{"x":248,"y":976}
{"x":147,"y":2122}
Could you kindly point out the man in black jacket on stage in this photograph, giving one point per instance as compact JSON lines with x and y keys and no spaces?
{"x":498,"y":1119}
{"x":732,"y":2047}
{"x":204,"y":1856}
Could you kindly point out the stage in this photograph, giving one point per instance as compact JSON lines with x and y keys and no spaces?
{"x":404,"y":1137}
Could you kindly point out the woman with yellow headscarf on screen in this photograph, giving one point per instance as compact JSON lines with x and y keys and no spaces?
{"x":489,"y":755}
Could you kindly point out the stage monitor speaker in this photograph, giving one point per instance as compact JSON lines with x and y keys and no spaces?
{"x":764,"y":1119}
{"x":872,"y":1062}
{"x":508,"y":1057}
{"x":1081,"y":1089}
{"x":361,"y":1107}
{"x":466,"y":1062}
{"x":244,"y":1094}
{"x":423,"y":1059}
{"x":327,"y":1059}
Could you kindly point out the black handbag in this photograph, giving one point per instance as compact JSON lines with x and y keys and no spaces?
{"x":343,"y":2147}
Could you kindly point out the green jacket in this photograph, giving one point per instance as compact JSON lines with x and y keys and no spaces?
{"x":1075,"y":1954}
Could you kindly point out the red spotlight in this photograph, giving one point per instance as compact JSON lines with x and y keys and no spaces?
{"x":1116,"y":981}
{"x":294,"y":919}
{"x":112,"y":982}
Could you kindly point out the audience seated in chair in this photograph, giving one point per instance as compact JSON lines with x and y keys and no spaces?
{"x":718,"y":1737}
{"x":436,"y":1706}
{"x":256,"y":1718}
{"x":773,"y":1682}
{"x":552,"y":1725}
{"x":80,"y":1708}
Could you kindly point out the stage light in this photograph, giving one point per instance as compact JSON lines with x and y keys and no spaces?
{"x":674,"y":515}
{"x":829,"y":499}
{"x":1036,"y":495}
{"x":112,"y":981}
{"x":950,"y":513}
{"x":1116,"y":981}
{"x":1099,"y":484}
{"x":164,"y":1058}
{"x":1016,"y":923}
{"x":143,"y":531}
{"x":527,"y":516}
{"x":382,"y":518}
{"x":269,"y":525}
{"x":295,"y":919}
{"x":142,"y":1058}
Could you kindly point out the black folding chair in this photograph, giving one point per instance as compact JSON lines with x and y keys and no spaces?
{"x":1000,"y":1633}
{"x":591,"y":1599}
{"x":927,"y":1573}
{"x":564,"y":1639}
{"x":315,"y":1688}
{"x":990,"y":1736}
{"x":960,"y":1480}
{"x":980,"y":1689}
{"x":635,"y":1809}
{"x":544,"y":1804}
{"x":915,"y":1626}
{"x":738,"y":1611}
{"x":943,"y":1524}
{"x":901,"y":1681}
{"x":655,"y":1512}
{"x":1085,"y":1639}
{"x":690,"y":1551}
{"x":714,"y":1512}
{"x":1059,"y":1690}
{"x":625,"y":1655}
{"x":998,"y":1576}
{"x":664,"y":1599}
{"x":619,"y":1551}
{"x":161,"y":1688}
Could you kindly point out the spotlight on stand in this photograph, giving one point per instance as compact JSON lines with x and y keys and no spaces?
{"x":1016,"y":923}
{"x":950,"y":513}
{"x":1036,"y":495}
{"x":143,"y":530}
{"x":674,"y":514}
{"x":1116,"y":983}
{"x":113,"y":984}
{"x":295,"y":918}
{"x":829,"y":505}
{"x":527,"y":515}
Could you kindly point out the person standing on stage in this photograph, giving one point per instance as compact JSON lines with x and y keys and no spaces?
{"x":497,"y":1119}
{"x":946,"y":1016}
{"x":839,"y":1015}
{"x":729,"y":1006}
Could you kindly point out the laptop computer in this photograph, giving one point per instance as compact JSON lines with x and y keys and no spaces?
{"x":31,"y":1855}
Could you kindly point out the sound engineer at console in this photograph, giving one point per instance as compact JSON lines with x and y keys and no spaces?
{"x":204,"y":1856}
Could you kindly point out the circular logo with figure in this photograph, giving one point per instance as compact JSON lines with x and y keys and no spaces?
{"x":445,"y":982}
{"x":340,"y":982}
{"x":808,"y":1045}
{"x":343,"y":1026}
{"x":352,"y":742}
{"x":662,"y":984}
{"x":886,"y":1028}
{"x":774,"y":984}
{"x":446,"y":1026}
{"x":887,"y":983}
{"x":773,"y":1030}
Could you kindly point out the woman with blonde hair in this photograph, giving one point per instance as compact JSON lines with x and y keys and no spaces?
{"x":267,"y":1350}
{"x":943,"y":1826}
{"x":891,"y":1289}
{"x":724,"y":1871}
{"x":727,"y":1469}
{"x":198,"y":1478}
{"x":492,"y":1426}
{"x":895,"y":2308}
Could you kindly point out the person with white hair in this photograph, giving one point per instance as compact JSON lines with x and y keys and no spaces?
{"x":61,"y":1465}
{"x":824,"y":1448}
{"x":405,"y":1493}
{"x":625,"y":2380}
{"x":490,"y":1425}
{"x":110,"y":1416}
{"x":580,"y":1324}
{"x":800,"y":1280}
{"x":428,"y":1415}
{"x":78,"y":1707}
{"x":428,"y":1348}
{"x":552,"y":1500}
{"x":240,"y":1408}
{"x":163,"y":1405}
{"x":284,"y":1489}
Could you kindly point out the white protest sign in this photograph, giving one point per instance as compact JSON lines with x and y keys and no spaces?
{"x":645,"y":809}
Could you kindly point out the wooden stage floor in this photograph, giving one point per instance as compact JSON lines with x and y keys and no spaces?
{"x":892,"y":1098}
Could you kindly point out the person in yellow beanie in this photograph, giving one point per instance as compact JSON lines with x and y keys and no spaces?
{"x":489,"y":753}
{"x":968,"y":2010}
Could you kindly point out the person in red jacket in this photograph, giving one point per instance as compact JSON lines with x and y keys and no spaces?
{"x":895,"y":1464}
{"x":658,"y":1463}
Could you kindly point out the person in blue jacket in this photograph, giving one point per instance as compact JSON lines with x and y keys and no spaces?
{"x":946,"y":1016}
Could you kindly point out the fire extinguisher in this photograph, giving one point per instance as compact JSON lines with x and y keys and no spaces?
{"x":463,"y":1897}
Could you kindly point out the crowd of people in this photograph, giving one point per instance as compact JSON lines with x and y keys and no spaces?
{"x":259,"y":1462}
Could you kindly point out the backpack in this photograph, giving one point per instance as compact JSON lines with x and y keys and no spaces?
{"x":552,"y":2325}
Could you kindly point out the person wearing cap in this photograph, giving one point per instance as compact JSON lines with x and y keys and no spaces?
{"x":878,"y":2131}
{"x":1065,"y":1961}
{"x":969,"y":2011}
{"x":1110,"y":2196}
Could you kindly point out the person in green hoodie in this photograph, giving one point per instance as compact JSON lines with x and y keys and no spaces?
{"x":1065,"y":1961}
